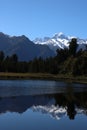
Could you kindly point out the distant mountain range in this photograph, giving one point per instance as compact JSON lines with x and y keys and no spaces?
{"x":28,"y":50}
{"x":60,"y":41}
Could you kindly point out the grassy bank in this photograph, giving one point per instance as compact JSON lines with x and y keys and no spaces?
{"x":69,"y":78}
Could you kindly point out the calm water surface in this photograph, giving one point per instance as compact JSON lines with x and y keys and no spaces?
{"x":42,"y":105}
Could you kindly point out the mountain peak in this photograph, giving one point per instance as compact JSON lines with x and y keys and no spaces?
{"x":4,"y":35}
{"x":60,"y":35}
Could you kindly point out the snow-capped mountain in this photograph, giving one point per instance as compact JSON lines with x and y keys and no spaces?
{"x":60,"y":41}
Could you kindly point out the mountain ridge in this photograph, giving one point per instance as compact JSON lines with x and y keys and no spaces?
{"x":60,"y":41}
{"x":40,"y":47}
{"x":23,"y":47}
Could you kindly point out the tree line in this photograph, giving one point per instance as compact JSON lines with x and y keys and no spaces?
{"x":67,"y":61}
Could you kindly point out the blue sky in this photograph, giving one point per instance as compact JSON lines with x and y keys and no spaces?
{"x":39,"y":18}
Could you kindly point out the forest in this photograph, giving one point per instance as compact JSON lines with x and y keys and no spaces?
{"x":67,"y":61}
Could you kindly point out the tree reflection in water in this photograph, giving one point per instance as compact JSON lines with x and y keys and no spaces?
{"x":73,"y":100}
{"x":70,"y":102}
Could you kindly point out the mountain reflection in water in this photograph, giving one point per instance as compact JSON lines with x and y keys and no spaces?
{"x":65,"y":101}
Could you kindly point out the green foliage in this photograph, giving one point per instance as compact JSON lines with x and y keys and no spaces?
{"x":73,"y":47}
{"x":62,"y":55}
{"x":80,"y":64}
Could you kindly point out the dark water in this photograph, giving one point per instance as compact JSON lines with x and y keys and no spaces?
{"x":42,"y":105}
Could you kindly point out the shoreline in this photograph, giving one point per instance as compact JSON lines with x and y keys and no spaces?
{"x":42,"y":76}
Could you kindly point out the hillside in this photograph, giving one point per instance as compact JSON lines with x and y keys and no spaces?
{"x":25,"y":49}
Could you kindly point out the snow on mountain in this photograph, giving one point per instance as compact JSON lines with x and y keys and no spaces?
{"x":60,"y":41}
{"x":55,"y":112}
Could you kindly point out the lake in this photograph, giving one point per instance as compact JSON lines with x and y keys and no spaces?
{"x":42,"y":105}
